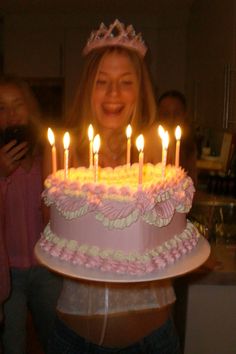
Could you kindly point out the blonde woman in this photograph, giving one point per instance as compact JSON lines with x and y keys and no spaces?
{"x":114,"y":90}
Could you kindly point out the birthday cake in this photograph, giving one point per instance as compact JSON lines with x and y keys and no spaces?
{"x":116,"y":224}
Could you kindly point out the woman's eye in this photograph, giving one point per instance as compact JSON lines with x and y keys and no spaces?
{"x":126,"y":82}
{"x":18,"y":104}
{"x":101,"y":82}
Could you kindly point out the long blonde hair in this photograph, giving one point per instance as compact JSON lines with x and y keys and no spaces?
{"x":29,"y":97}
{"x":82,"y":113}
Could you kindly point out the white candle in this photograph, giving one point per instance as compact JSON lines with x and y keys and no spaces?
{"x":128,"y":135}
{"x":66,"y":143}
{"x":177,"y":150}
{"x":96,"y":147}
{"x":54,"y":154}
{"x":165,"y":143}
{"x":90,"y":136}
{"x":140,"y":147}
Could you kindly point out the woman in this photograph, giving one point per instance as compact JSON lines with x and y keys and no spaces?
{"x":115,"y":90}
{"x":32,"y":286}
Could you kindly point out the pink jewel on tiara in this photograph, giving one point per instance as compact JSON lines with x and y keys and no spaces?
{"x":116,"y":35}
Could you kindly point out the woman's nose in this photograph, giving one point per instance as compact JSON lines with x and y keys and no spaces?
{"x":12,"y":116}
{"x":113,"y":89}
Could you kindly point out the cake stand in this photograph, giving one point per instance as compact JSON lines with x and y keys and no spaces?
{"x":186,"y":264}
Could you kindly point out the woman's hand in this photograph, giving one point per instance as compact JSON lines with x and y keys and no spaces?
{"x":10,"y":155}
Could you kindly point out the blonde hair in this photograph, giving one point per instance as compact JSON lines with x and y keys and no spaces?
{"x":29,"y":97}
{"x":34,"y":118}
{"x":82,"y":113}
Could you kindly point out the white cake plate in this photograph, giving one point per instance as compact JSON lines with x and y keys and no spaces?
{"x":186,"y":264}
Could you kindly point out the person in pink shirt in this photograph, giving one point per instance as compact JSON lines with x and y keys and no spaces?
{"x":33,"y":287}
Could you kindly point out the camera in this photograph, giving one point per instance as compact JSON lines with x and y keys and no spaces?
{"x":19,"y":133}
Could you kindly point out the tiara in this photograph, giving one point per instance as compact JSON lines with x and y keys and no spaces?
{"x":115,"y":35}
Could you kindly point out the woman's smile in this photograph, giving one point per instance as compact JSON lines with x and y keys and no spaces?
{"x":115,"y":91}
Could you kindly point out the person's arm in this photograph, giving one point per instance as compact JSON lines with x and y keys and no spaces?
{"x":4,"y":269}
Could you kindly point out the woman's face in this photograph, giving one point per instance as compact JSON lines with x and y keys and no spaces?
{"x":171,"y":111}
{"x":115,"y":91}
{"x":13,"y":108}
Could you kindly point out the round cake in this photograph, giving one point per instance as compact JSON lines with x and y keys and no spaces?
{"x":116,"y":224}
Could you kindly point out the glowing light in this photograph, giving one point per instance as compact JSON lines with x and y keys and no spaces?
{"x":140,"y":147}
{"x":51,"y":139}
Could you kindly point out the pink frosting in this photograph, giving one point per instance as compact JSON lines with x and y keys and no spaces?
{"x":120,"y":227}
{"x":73,"y":198}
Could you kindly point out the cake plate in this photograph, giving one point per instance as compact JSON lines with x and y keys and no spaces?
{"x":186,"y":264}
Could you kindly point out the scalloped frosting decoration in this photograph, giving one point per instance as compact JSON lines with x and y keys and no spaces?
{"x":116,"y":260}
{"x":116,"y":199}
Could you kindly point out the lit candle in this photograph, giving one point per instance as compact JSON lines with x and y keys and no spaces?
{"x":66,"y":143}
{"x":54,"y":155}
{"x":160,"y":131}
{"x":140,"y":146}
{"x":96,"y":147}
{"x":128,"y":135}
{"x":177,"y":152}
{"x":90,"y":136}
{"x":165,"y":143}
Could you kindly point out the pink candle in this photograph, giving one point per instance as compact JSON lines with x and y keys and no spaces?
{"x":96,"y":147}
{"x":90,"y":136}
{"x":54,"y":154}
{"x":161,"y":133}
{"x":177,"y":151}
{"x":140,"y":147}
{"x":66,"y":143}
{"x":165,"y":143}
{"x":128,"y":135}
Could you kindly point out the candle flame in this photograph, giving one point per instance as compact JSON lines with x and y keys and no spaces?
{"x":165,"y":140}
{"x":128,"y":131}
{"x":140,"y":142}
{"x":96,"y":144}
{"x":66,"y":140}
{"x":90,"y":132}
{"x":160,"y":131}
{"x":51,"y":137}
{"x":178,"y":132}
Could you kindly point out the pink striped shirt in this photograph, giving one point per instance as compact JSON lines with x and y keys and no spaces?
{"x":23,"y":214}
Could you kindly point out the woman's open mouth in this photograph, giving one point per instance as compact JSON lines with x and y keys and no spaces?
{"x":112,"y":108}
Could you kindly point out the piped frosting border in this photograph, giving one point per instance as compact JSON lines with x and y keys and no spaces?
{"x":116,"y":200}
{"x":117,"y":261}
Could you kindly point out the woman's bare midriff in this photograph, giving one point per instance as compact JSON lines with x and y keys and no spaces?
{"x":121,"y":329}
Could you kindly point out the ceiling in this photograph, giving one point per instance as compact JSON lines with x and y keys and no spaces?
{"x":159,"y":7}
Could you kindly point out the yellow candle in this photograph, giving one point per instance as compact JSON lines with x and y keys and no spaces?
{"x":165,"y":143}
{"x":54,"y":154}
{"x":177,"y":151}
{"x":66,"y":143}
{"x":140,"y":147}
{"x":128,"y":135}
{"x":96,"y":147}
{"x":90,"y":136}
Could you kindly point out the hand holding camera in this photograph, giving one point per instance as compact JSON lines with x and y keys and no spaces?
{"x":14,"y":147}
